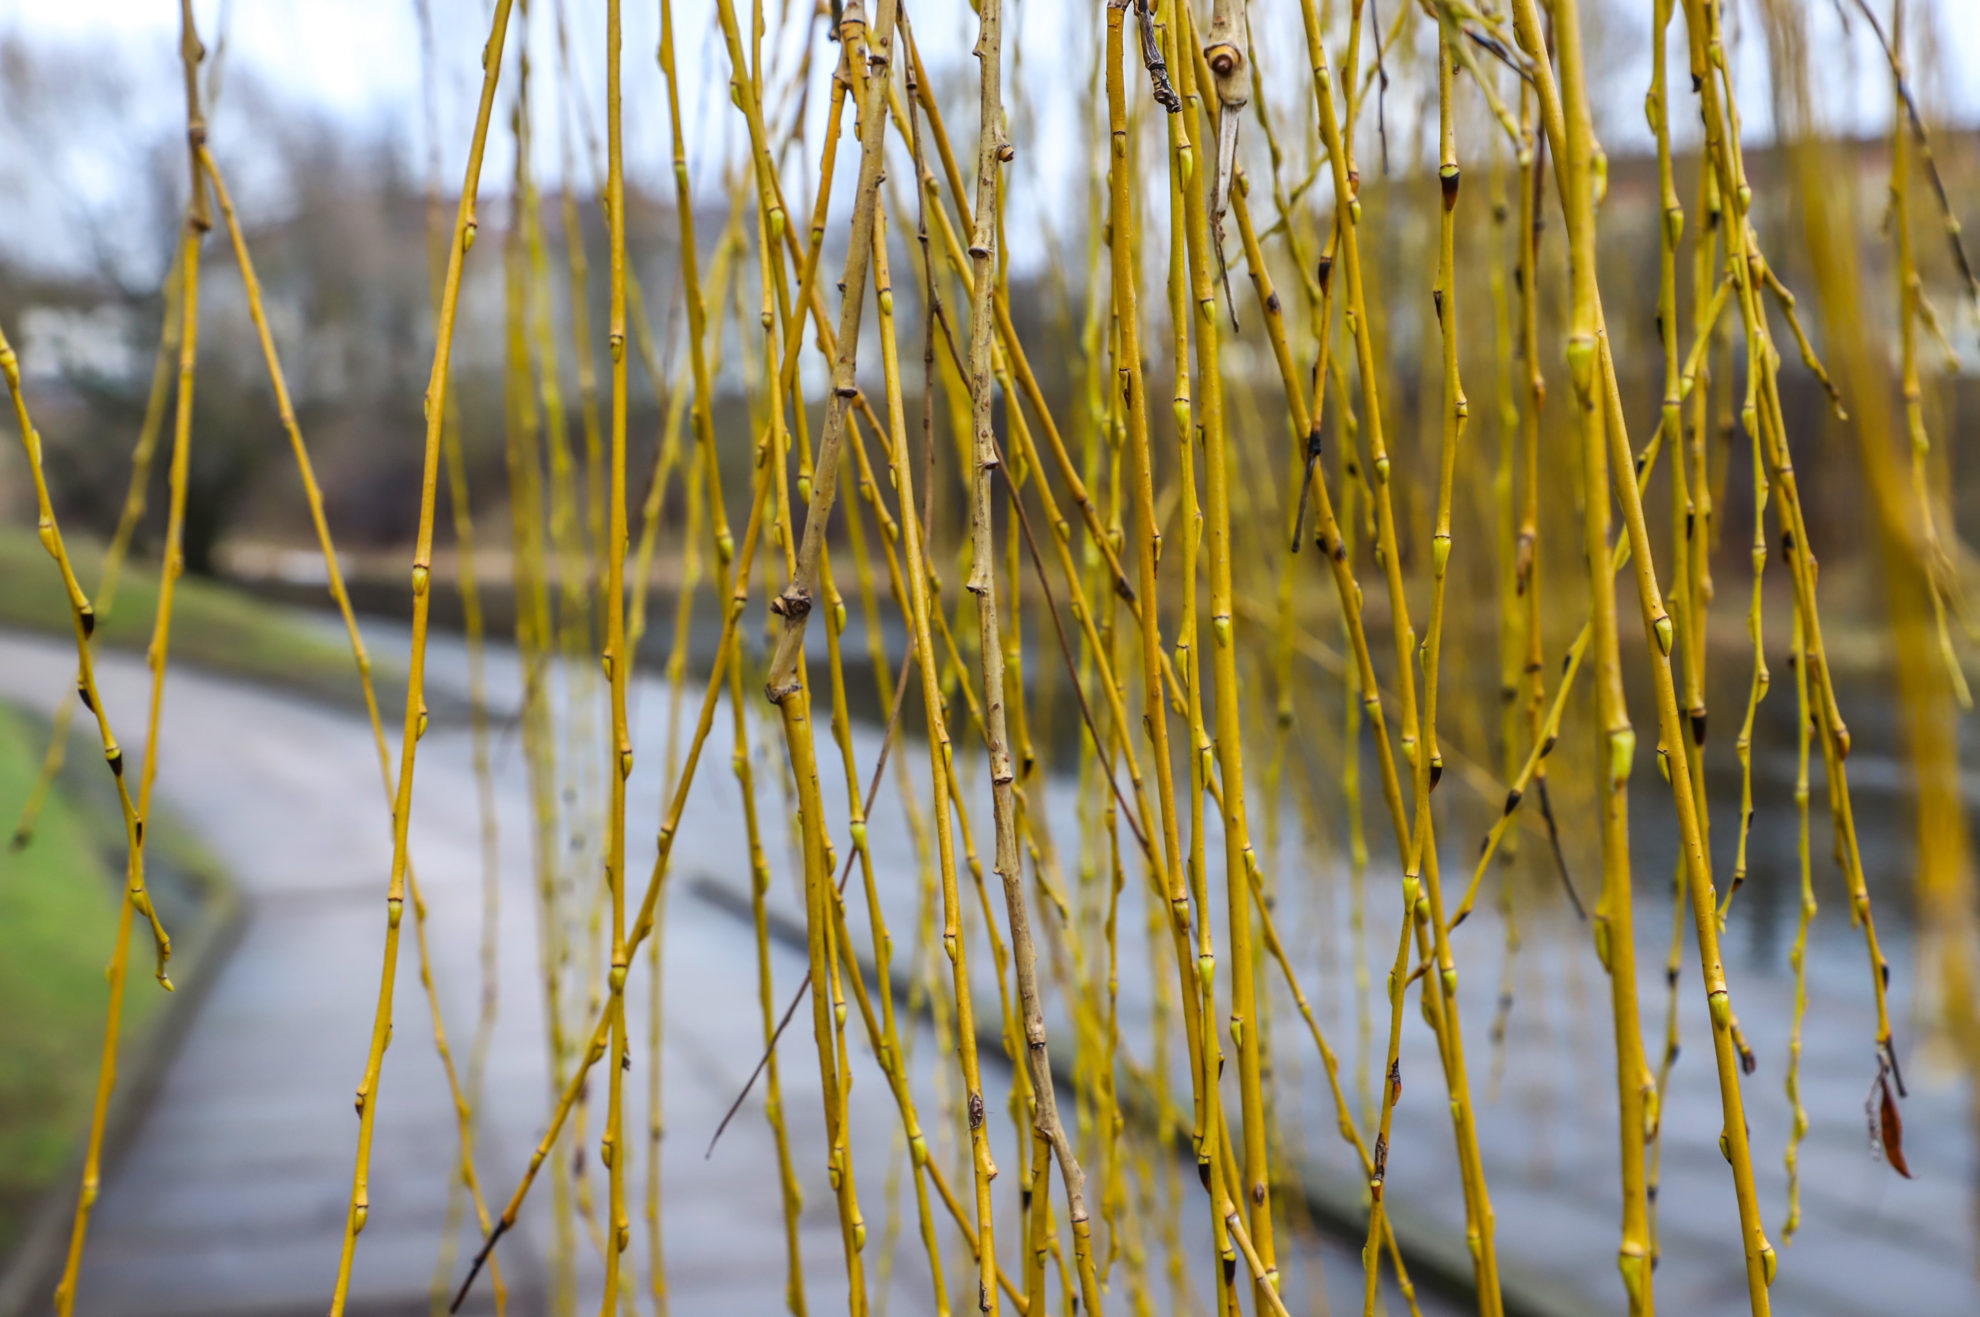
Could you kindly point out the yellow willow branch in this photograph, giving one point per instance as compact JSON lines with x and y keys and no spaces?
{"x":642,"y":927}
{"x":120,"y":541}
{"x":83,"y":620}
{"x":1564,"y":112}
{"x":137,"y":899}
{"x":1238,"y":856}
{"x":991,"y":150}
{"x":340,"y":595}
{"x":415,"y":716}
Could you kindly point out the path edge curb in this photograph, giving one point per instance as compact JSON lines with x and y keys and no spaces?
{"x":1439,"y":1257}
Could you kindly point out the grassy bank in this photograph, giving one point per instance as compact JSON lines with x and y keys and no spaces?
{"x":215,"y":626}
{"x":58,"y":914}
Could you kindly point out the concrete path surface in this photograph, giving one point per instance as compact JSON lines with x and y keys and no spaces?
{"x":232,"y":1199}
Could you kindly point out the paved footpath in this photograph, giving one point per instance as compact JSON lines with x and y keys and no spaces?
{"x":232,"y":1197}
{"x":231,"y":1200}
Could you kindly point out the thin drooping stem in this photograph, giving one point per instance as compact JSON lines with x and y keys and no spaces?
{"x":982,"y":583}
{"x":786,"y":687}
{"x":135,"y":498}
{"x":136,"y":898}
{"x":415,"y":716}
{"x":82,"y":619}
{"x":340,"y":596}
{"x":795,"y":602}
{"x":1414,"y":839}
{"x":642,"y":927}
{"x":618,"y":668}
{"x":1614,"y":924}
{"x":1238,"y":857}
{"x":1565,"y":115}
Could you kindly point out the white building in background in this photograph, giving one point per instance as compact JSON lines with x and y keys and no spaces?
{"x":67,"y":342}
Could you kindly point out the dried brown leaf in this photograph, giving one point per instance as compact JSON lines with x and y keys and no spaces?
{"x":1890,"y":1128}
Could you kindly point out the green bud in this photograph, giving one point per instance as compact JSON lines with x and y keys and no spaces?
{"x":1581,"y":366}
{"x":1630,"y":1263}
{"x":1721,"y":1009}
{"x":1622,"y":749}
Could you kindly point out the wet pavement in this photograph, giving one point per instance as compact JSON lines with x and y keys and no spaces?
{"x":232,"y":1197}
